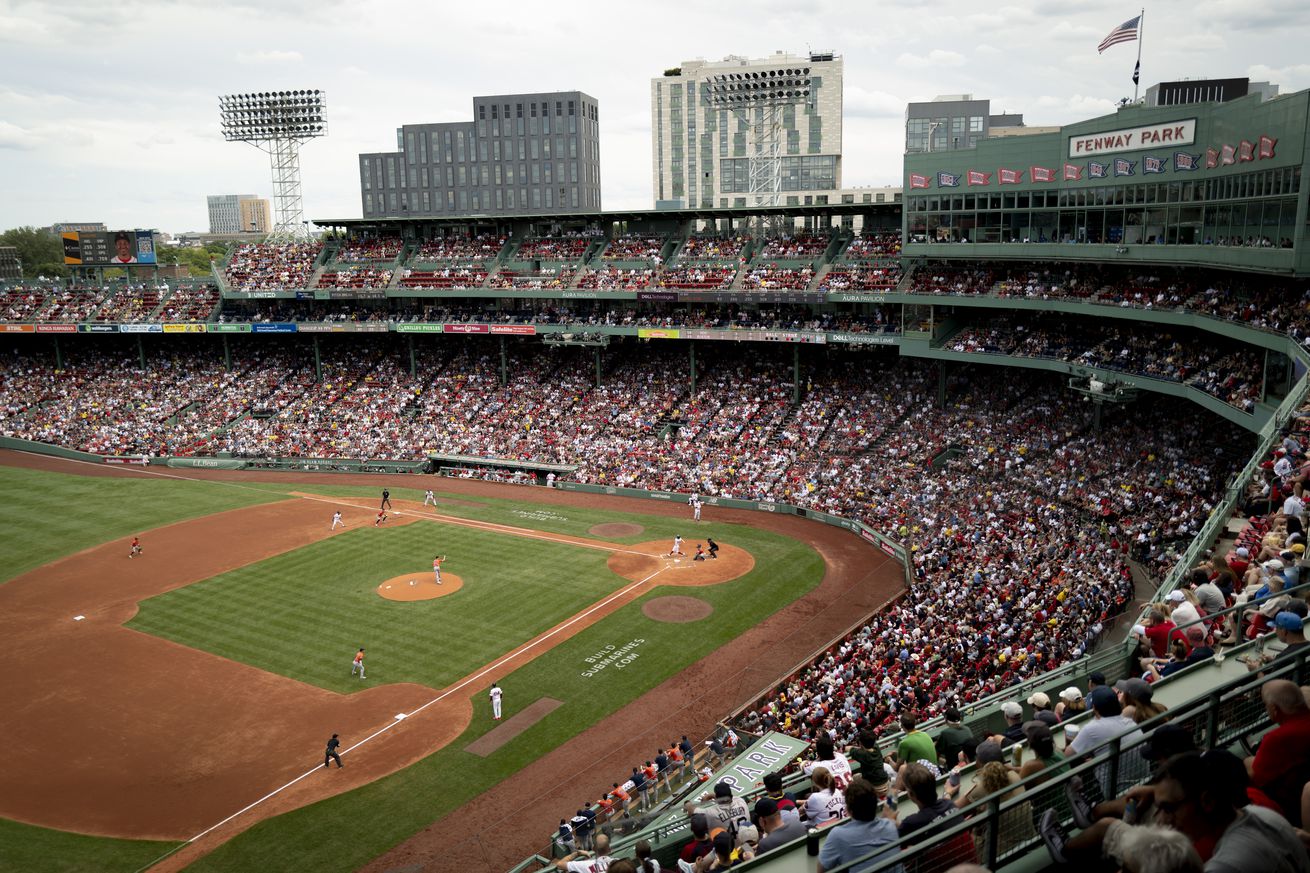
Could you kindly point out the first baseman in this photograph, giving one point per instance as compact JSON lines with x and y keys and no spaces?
{"x":494,"y":694}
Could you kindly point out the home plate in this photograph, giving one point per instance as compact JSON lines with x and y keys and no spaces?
{"x":78,"y":617}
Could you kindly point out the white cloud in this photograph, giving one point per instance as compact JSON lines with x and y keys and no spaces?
{"x":934,"y":58}
{"x":1293,"y":77}
{"x":270,"y":56}
{"x":857,"y":102}
{"x":14,"y":137}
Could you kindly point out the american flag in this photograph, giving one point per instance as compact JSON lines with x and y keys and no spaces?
{"x":1096,"y":170}
{"x":1152,"y":165}
{"x":918,"y":181}
{"x":1124,"y":167}
{"x":1041,"y":174}
{"x":948,"y":180}
{"x":1246,"y":150}
{"x":978,"y":177}
{"x":1184,"y":161}
{"x":1011,"y":177}
{"x":1267,"y":144}
{"x":1126,"y":32}
{"x":1072,"y":173}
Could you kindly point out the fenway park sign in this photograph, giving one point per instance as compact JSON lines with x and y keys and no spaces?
{"x":1173,"y":133}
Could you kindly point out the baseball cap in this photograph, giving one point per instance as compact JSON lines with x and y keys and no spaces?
{"x":1010,"y":709}
{"x":1272,"y":564}
{"x":1036,"y":730}
{"x":989,"y":751}
{"x":1195,"y":634}
{"x":700,"y":825}
{"x":723,"y":789}
{"x":1039,"y":699}
{"x":1243,"y":552}
{"x":1103,"y":700}
{"x":1097,"y":678}
{"x":1175,"y":596}
{"x":1297,"y":548}
{"x":1288,"y":621}
{"x":1135,"y":688}
{"x":765,"y":807}
{"x":723,"y":841}
{"x":1139,"y":629}
{"x":748,"y":834}
{"x":1071,"y":693}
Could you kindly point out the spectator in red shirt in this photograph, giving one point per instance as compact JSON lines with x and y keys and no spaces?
{"x":1281,"y":766}
{"x":700,"y":844}
{"x":1158,"y":630}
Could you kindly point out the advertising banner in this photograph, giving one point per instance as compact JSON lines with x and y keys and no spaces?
{"x":657,"y":295}
{"x":864,"y":339}
{"x":1127,"y":139}
{"x":56,"y":328}
{"x":465,"y":328}
{"x":515,"y":329}
{"x":97,"y":328}
{"x":185,"y":328}
{"x":17,"y":328}
{"x":141,"y":328}
{"x":419,"y":328}
{"x":229,"y":328}
{"x":658,"y":333}
{"x":273,"y":327}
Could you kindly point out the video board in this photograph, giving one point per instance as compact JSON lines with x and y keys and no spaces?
{"x":113,"y":248}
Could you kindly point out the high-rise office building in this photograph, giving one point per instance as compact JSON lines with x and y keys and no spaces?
{"x":955,"y":121}
{"x":238,"y":213}
{"x":701,"y":153}
{"x":521,"y":153}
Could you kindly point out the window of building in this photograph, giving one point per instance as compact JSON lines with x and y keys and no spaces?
{"x":536,"y":198}
{"x":450,"y":201}
{"x":522,"y":151}
{"x":368,"y":203}
{"x":482,"y":150}
{"x":463,"y":201}
{"x":573,"y":196}
{"x":459,"y":146}
{"x":462,"y":175}
{"x":550,"y":198}
{"x":547,"y":173}
{"x":427,"y":202}
{"x":391,"y":171}
{"x":410,"y":154}
{"x":368,"y":174}
{"x":484,"y":175}
{"x":500,"y":199}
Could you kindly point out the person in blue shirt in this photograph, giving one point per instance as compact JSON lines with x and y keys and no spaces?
{"x":862,"y":835}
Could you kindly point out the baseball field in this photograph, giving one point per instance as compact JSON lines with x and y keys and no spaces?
{"x":170,"y":711}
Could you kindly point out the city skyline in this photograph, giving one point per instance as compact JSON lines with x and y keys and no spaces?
{"x":110,"y":113}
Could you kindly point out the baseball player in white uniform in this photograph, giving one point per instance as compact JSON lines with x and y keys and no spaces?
{"x":494,"y":694}
{"x":695,"y":508}
{"x":336,"y":520}
{"x":677,"y":546}
{"x":429,"y":497}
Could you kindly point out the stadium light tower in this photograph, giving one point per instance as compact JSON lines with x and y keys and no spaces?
{"x":761,"y":97}
{"x":277,"y":122}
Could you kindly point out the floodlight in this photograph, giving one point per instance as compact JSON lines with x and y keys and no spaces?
{"x":277,"y":122}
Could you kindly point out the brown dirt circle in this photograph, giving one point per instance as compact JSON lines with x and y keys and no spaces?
{"x":676,"y":609}
{"x":615,"y":529}
{"x":419,"y":585}
{"x":650,"y":558}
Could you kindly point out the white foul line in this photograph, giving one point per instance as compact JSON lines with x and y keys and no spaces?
{"x":442,"y":696}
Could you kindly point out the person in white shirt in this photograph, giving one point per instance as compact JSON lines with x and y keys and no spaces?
{"x":826,"y":801}
{"x":579,"y":862}
{"x":495,"y":694}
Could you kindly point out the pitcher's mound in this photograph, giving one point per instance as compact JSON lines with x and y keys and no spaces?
{"x":420,"y":586}
{"x":615,"y":529}
{"x":676,"y":609}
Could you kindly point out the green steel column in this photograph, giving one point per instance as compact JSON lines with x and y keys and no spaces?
{"x":413,"y":358}
{"x":691,"y":345}
{"x":1096,"y":416}
{"x":227,"y":355}
{"x":318,"y":363}
{"x":597,"y":348}
{"x":504,"y":363}
{"x":59,"y":355}
{"x":1264,"y":377}
{"x":941,"y":384}
{"x":796,"y":374}
{"x":141,"y":351}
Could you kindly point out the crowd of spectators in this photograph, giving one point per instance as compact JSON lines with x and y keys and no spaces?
{"x":707,"y":278}
{"x":272,"y":266}
{"x":801,"y":247}
{"x":458,"y":278}
{"x":569,"y":247}
{"x":460,"y":249}
{"x":614,"y":279}
{"x":547,"y":278}
{"x":634,"y":247}
{"x":356,"y":277}
{"x":713,"y":249}
{"x":22,"y":302}
{"x":947,"y":279}
{"x":873,"y":248}
{"x":884,"y":278}
{"x":771,"y":277}
{"x":1233,"y":374}
{"x":363,"y":251}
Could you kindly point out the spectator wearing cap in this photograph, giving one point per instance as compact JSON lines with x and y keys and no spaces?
{"x":1290,"y":630}
{"x":700,"y":843}
{"x":1291,"y":567}
{"x":955,"y":739}
{"x":582,"y":861}
{"x":1041,"y":704}
{"x":1109,"y":722}
{"x":1281,"y":765}
{"x":1013,"y":732}
{"x":726,"y":812}
{"x":1239,"y":561}
{"x":864,"y":834}
{"x":720,"y":856}
{"x":1179,"y":657}
{"x":785,"y":799}
{"x":776,"y":829}
{"x":1071,"y":704}
{"x":1182,"y":610}
{"x":1137,"y":699}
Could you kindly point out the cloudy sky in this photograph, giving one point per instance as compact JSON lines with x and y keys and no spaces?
{"x":108,"y":110}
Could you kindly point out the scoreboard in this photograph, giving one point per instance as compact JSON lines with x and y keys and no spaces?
{"x":112,"y":248}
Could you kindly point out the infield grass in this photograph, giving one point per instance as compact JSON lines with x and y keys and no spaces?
{"x":27,"y":848}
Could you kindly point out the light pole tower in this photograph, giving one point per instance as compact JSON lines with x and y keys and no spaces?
{"x":277,"y":122}
{"x":760,"y":98}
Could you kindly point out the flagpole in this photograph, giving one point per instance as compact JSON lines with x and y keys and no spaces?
{"x":1141,"y":27}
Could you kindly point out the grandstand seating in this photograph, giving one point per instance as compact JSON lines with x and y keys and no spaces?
{"x":449,"y":277}
{"x":369,"y":251}
{"x":554,"y":248}
{"x":355,"y":277}
{"x":271,"y":266}
{"x":459,"y":249}
{"x":712,"y":249}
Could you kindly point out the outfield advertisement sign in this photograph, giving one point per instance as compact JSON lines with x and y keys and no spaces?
{"x":17,"y":328}
{"x":658,"y":333}
{"x":419,"y":328}
{"x":185,"y":328}
{"x":56,"y":328}
{"x":864,"y":339}
{"x":229,"y":328}
{"x":768,"y":336}
{"x":273,"y":327}
{"x":514,"y":329}
{"x":97,"y":328}
{"x":341,"y":327}
{"x":140,"y":328}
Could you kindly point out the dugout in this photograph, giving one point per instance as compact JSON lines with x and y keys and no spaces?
{"x":496,"y":469}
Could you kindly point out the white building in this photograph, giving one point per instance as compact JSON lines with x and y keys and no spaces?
{"x":238,"y":213}
{"x":701,"y":154}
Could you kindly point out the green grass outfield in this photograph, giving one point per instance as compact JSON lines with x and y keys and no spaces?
{"x":283,"y":630}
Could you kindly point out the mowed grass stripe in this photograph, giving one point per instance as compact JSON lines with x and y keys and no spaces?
{"x":304,"y":613}
{"x":44,"y":516}
{"x":343,"y":833}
